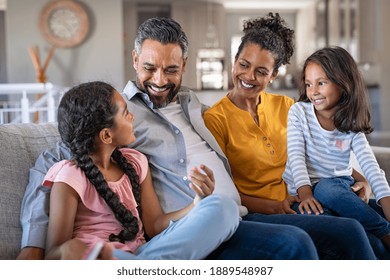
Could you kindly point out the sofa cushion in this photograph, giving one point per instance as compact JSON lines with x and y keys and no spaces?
{"x":20,"y":145}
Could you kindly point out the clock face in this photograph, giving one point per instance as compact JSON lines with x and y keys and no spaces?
{"x":64,"y":23}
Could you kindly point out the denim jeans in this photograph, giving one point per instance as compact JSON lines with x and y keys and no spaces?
{"x":255,"y":240}
{"x":336,"y":195}
{"x":251,"y":241}
{"x":212,"y":221}
{"x":379,"y":248}
{"x":334,"y":237}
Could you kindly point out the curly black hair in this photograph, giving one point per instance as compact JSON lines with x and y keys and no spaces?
{"x":83,"y":112}
{"x":271,"y":33}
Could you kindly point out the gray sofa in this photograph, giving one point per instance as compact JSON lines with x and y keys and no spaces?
{"x":20,"y":144}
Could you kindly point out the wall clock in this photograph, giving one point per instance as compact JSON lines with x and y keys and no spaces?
{"x":64,"y":23}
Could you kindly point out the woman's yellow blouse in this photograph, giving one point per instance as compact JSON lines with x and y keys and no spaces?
{"x":257,"y":154}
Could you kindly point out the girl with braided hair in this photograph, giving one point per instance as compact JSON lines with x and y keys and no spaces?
{"x":105,"y":192}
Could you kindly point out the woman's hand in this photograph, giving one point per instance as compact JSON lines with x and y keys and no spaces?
{"x":363,"y":190}
{"x":361,"y":186}
{"x":287,"y":203}
{"x":202,"y":182}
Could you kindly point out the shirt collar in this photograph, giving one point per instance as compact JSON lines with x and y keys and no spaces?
{"x":132,"y":90}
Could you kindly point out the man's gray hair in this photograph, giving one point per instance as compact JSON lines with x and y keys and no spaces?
{"x":163,"y":30}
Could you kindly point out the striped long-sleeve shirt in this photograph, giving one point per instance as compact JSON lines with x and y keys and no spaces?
{"x":315,"y":153}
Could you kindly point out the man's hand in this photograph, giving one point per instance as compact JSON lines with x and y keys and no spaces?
{"x":31,"y":253}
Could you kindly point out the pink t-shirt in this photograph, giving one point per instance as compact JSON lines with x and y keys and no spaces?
{"x":94,"y":219}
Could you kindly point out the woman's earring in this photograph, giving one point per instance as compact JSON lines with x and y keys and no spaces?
{"x":270,"y":81}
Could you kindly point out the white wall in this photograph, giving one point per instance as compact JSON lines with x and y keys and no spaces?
{"x":106,"y":54}
{"x":383,"y":41}
{"x":99,"y":57}
{"x":192,"y":16}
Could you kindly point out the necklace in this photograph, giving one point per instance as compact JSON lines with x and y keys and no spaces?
{"x":243,"y":107}
{"x":256,"y":119}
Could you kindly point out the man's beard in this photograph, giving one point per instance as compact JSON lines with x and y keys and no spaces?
{"x":159,"y":101}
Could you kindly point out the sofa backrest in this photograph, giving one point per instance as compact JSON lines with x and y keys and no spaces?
{"x":20,"y":145}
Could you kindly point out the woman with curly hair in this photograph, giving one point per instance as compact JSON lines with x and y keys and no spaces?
{"x":105,"y":193}
{"x":250,"y":125}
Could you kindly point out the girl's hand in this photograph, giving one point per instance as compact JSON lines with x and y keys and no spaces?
{"x":310,"y":205}
{"x":308,"y":202}
{"x":73,"y":249}
{"x":202,"y":182}
{"x":107,"y":252}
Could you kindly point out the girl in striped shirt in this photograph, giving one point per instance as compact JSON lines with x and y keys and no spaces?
{"x":329,"y":123}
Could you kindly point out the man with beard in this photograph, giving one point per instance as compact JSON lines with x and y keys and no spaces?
{"x":170,"y":131}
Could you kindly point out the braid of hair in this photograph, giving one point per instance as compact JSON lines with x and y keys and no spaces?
{"x":122,"y":214}
{"x":83,"y":111}
{"x":132,"y":174}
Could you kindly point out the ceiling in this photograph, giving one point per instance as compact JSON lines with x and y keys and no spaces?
{"x":264,"y":4}
{"x":233,"y":4}
{"x":245,"y":4}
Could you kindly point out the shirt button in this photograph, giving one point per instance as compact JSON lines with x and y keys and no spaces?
{"x":268,"y":144}
{"x":177,"y":131}
{"x":181,"y":160}
{"x":265,"y":138}
{"x":272,"y":152}
{"x":185,"y":178}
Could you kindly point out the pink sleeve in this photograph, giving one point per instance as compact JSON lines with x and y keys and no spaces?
{"x":67,"y":172}
{"x":138,"y":160}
